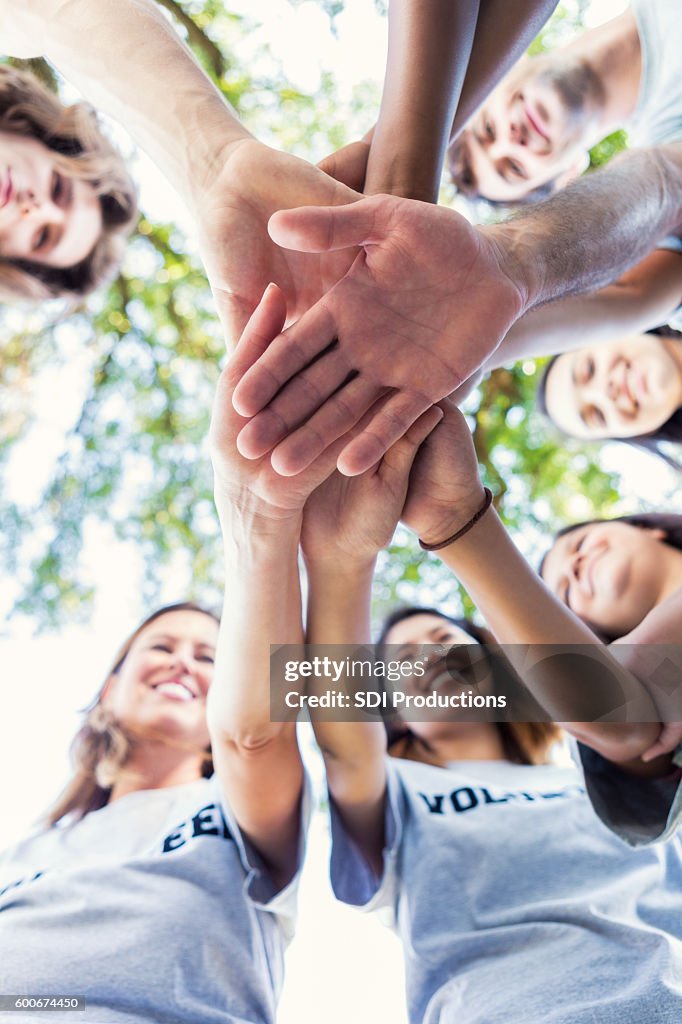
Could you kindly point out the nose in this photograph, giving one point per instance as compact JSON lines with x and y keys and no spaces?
{"x":31,"y":207}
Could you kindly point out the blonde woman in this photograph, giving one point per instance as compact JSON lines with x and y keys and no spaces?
{"x":67,"y":203}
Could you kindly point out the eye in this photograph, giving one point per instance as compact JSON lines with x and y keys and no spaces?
{"x":593,"y":417}
{"x":488,"y":129}
{"x":57,"y":186}
{"x":161,"y":647}
{"x":206,"y":657}
{"x":40,"y":240}
{"x":517,"y":170}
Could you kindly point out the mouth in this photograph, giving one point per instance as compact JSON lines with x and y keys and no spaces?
{"x":6,"y":189}
{"x":535,"y":123}
{"x":174,"y":689}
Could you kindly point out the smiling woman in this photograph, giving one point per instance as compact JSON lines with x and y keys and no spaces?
{"x":629,"y":389}
{"x":67,"y":203}
{"x":614,"y":573}
{"x":143,"y":893}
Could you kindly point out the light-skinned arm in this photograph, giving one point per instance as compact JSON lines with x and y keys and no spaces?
{"x":436,"y":296}
{"x":521,"y":611}
{"x":643,"y":298}
{"x":345,"y":524}
{"x":257,"y":761}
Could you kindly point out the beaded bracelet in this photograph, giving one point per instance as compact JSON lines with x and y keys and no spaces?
{"x":465,"y":529}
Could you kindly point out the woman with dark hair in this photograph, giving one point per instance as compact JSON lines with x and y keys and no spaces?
{"x":67,"y":203}
{"x":162,"y":890}
{"x":630,"y":390}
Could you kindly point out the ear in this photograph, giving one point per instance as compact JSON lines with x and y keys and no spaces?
{"x":573,"y":171}
{"x":658,"y":533}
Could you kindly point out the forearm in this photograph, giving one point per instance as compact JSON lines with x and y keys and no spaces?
{"x":503,"y":33}
{"x":643,"y":298}
{"x":339,"y":602}
{"x":429,"y":45}
{"x":262,"y":607}
{"x":127,"y":60}
{"x":591,"y":232}
{"x":526,"y":617}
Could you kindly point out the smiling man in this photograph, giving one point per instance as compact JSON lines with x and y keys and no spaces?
{"x":534,"y":132}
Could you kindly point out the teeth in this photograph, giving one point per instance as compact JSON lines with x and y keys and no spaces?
{"x":176,"y":690}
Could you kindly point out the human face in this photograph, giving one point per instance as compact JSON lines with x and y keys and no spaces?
{"x":618,"y":389}
{"x":162,"y":684}
{"x":534,"y":127}
{"x":428,"y":636}
{"x":610,"y":574}
{"x":45,"y":216}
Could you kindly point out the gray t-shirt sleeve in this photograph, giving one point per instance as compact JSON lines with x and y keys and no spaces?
{"x":259,"y":887}
{"x":639,"y":811}
{"x":353,"y":880}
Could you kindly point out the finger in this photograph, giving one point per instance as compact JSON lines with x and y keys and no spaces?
{"x":336,"y":418}
{"x":284,"y":358}
{"x":667,"y":741}
{"x":388,"y":426}
{"x":400,"y":456}
{"x":322,"y":228}
{"x":348,"y":165}
{"x":263,"y":326}
{"x":296,"y":402}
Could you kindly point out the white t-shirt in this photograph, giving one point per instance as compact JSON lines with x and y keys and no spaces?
{"x":515,"y":904}
{"x":658,"y":116}
{"x":153,"y":908}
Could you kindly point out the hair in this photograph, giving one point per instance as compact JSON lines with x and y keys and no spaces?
{"x":82,"y":151}
{"x":668,"y":432}
{"x":669,"y":522}
{"x":101,"y":747}
{"x":522,"y":742}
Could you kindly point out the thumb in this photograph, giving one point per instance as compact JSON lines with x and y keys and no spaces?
{"x":400,"y":456}
{"x":321,"y":228}
{"x":348,"y":165}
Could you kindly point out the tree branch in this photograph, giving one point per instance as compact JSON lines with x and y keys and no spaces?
{"x":197,"y":37}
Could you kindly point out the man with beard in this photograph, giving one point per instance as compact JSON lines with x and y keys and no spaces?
{"x":534,"y":132}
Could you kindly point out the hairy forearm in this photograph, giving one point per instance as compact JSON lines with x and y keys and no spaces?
{"x":526,"y":617}
{"x":428,"y":54}
{"x":127,"y":60}
{"x":591,"y":232}
{"x":503,"y":33}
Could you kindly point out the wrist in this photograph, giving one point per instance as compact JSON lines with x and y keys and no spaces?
{"x":451,"y":520}
{"x":516,"y":249}
{"x":242,"y":515}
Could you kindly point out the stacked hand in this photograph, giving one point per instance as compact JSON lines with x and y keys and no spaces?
{"x":250,"y":184}
{"x":445,"y":490}
{"x":425,"y":302}
{"x":356,"y":516}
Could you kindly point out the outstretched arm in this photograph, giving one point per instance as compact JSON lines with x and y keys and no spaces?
{"x":346,"y":523}
{"x":520,"y":610}
{"x":644,"y":297}
{"x":436,"y":296}
{"x":260,"y":516}
{"x":127,"y":59}
{"x":443,"y":60}
{"x":429,"y":48}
